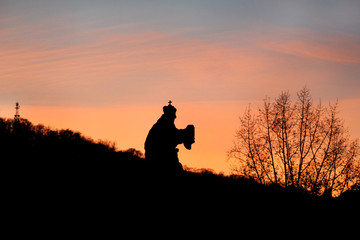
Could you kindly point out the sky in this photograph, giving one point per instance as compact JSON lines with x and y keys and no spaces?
{"x":106,"y":68}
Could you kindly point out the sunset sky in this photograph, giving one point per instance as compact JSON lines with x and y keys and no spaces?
{"x":106,"y":68}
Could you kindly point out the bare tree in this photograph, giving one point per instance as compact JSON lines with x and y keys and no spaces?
{"x":297,"y":144}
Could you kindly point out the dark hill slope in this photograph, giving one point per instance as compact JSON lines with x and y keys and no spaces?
{"x":63,"y":167}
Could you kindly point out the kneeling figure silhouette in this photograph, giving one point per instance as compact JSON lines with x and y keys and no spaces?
{"x":162,"y":139}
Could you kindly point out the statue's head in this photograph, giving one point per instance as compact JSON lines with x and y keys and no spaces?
{"x":169,"y":111}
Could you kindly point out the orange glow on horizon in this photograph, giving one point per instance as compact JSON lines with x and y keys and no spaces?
{"x":129,"y":125}
{"x":215,"y":125}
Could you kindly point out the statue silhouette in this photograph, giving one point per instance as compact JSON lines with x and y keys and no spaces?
{"x":162,"y":139}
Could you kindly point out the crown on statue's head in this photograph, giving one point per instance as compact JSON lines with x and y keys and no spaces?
{"x":169,"y":109}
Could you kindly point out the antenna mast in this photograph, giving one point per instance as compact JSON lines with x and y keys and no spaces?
{"x":17,"y":107}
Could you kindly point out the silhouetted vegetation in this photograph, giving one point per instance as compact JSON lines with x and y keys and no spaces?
{"x":298,"y":145}
{"x":68,"y":168}
{"x":20,"y":136}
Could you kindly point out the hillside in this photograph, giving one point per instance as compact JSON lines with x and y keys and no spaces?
{"x":62,"y":164}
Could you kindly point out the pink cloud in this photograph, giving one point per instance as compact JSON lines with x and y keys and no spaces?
{"x":119,"y":58}
{"x":103,"y":66}
{"x":335,"y":47}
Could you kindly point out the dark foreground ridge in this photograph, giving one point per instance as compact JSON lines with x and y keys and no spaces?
{"x":62,"y":167}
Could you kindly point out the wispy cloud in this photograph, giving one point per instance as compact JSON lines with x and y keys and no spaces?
{"x":58,"y":62}
{"x":337,"y":46}
{"x":113,"y":66}
{"x":121,"y":61}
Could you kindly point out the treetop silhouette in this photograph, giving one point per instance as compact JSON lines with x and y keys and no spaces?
{"x":297,"y":144}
